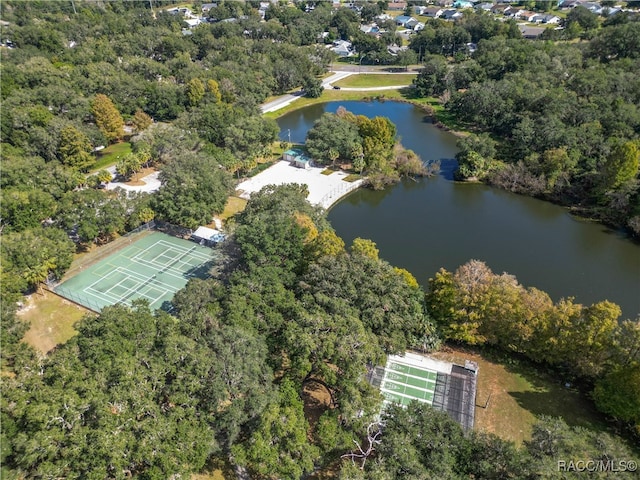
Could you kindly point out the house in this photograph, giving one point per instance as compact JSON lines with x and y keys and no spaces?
{"x":208,"y":6}
{"x":402,"y":19}
{"x":609,"y":11}
{"x":592,"y":7}
{"x":527,"y":16}
{"x":550,"y":19}
{"x":444,"y":3}
{"x":432,"y":12}
{"x":486,"y":7}
{"x":184,"y":11}
{"x":397,"y":6}
{"x":570,"y":3}
{"x":192,"y":22}
{"x":451,"y":14}
{"x":407,"y":22}
{"x":530,"y":33}
{"x":371,"y":29}
{"x":343,"y":48}
{"x":262,"y":10}
{"x":411,"y":23}
{"x":418,"y":27}
{"x":462,"y":4}
{"x":514,"y":12}
{"x":499,"y":8}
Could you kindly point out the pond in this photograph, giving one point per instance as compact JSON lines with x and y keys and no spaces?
{"x":437,"y":223}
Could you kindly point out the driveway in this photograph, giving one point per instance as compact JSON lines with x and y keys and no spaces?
{"x":151,"y":183}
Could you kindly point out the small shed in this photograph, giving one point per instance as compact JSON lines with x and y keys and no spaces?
{"x":207,"y":236}
{"x":297,"y":158}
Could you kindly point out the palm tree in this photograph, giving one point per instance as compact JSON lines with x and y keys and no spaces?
{"x":333,"y":155}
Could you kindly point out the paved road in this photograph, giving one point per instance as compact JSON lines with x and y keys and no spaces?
{"x":379,"y":69}
{"x":342,"y":71}
{"x":373,"y":89}
{"x":285,"y":100}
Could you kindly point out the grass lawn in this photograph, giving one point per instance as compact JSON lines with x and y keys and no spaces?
{"x":277,"y":149}
{"x":441,"y":114}
{"x":517,"y":393}
{"x":110,"y":155}
{"x":51,"y":318}
{"x":352,"y":177}
{"x":234,"y":205}
{"x":375,"y":80}
{"x":217,"y":469}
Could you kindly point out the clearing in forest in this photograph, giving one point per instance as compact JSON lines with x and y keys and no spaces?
{"x":154,"y":268}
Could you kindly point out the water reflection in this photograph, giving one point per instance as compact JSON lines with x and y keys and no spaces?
{"x":433,"y":223}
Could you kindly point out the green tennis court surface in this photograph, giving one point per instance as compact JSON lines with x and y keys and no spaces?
{"x":403,"y":383}
{"x":154,"y":268}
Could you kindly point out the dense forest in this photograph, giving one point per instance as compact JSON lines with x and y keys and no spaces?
{"x":226,"y":374}
{"x":556,"y":120}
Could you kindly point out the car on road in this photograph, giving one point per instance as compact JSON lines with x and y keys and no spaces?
{"x":336,"y":87}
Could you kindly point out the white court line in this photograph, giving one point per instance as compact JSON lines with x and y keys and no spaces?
{"x":104,"y":295}
{"x":126,"y":271}
{"x":132,"y":289}
{"x":424,"y":389}
{"x":181,"y":252}
{"x":120,"y":283}
{"x":179,"y":273}
{"x":167,"y":271}
{"x":193,"y":251}
{"x":146,"y":249}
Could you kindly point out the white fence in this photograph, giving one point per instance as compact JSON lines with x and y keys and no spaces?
{"x":337,"y":193}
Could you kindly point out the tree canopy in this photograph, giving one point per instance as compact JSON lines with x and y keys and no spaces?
{"x":194,"y":188}
{"x":263,"y":364}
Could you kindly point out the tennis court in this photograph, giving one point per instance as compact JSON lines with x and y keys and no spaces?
{"x":403,"y":383}
{"x":153,"y":268}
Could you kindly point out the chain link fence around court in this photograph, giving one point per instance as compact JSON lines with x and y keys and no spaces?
{"x":100,"y":253}
{"x":151,"y":267}
{"x":78,"y":298}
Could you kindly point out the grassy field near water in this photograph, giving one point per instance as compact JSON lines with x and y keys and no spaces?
{"x":367,"y":80}
{"x":515,"y":393}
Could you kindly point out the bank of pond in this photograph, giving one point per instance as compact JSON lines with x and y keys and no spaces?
{"x":438,"y":223}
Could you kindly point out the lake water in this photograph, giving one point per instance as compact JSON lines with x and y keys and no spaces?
{"x":433,"y":223}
